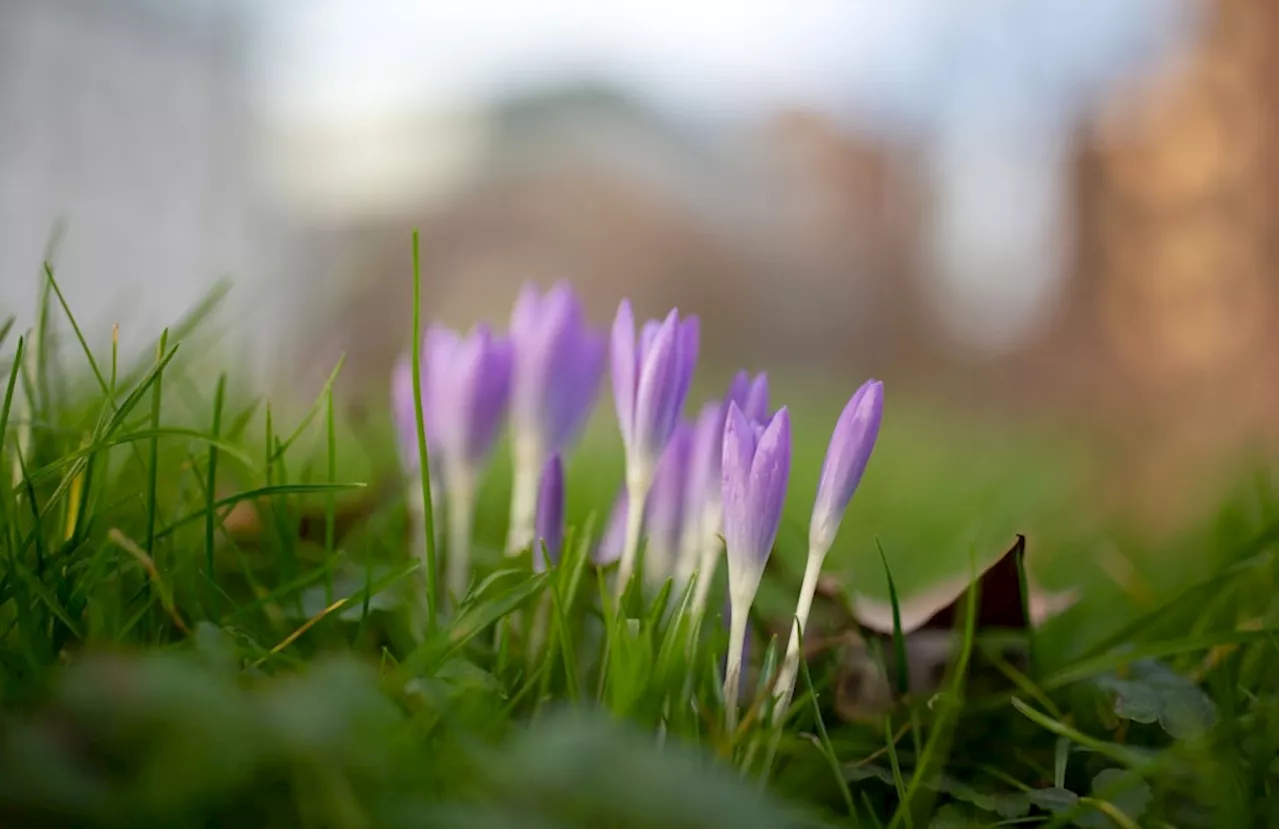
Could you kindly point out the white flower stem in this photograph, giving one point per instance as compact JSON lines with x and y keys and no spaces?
{"x":733,"y":667}
{"x":707,"y":560}
{"x":785,"y":686}
{"x":462,"y":503}
{"x":637,"y":492}
{"x":527,"y":460}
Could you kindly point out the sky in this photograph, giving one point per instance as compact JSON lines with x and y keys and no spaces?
{"x":908,"y":63}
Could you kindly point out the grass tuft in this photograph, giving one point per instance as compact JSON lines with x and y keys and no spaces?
{"x":211,"y":614}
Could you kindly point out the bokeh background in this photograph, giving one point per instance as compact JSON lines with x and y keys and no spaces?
{"x":1048,"y":225}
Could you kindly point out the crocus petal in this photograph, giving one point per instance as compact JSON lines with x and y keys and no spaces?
{"x":440,"y":348}
{"x":609,"y":549}
{"x":570,"y":404}
{"x":622,"y":356}
{"x":484,"y":366}
{"x":852,"y":442}
{"x":666,"y":503}
{"x":738,"y":388}
{"x":590,"y":370}
{"x":738,"y":451}
{"x":655,"y":393}
{"x":557,"y":368}
{"x":549,"y":518}
{"x":648,"y":333}
{"x":704,"y":457}
{"x":404,"y":412}
{"x":770,"y":469}
{"x":756,"y":402}
{"x":689,"y":341}
{"x":467,"y":384}
{"x":755,"y":468}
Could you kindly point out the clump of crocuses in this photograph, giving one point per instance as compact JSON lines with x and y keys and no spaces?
{"x":688,"y":484}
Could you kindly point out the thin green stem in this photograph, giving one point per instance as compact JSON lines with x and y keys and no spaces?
{"x":428,"y":519}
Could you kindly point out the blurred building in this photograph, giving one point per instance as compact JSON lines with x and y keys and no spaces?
{"x":791,"y":239}
{"x":128,"y":122}
{"x":1170,"y":323}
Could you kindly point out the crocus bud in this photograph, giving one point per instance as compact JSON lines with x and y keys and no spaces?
{"x":549,"y":522}
{"x":666,"y":510}
{"x":755,"y":466}
{"x":650,"y":382}
{"x":702,"y":541}
{"x":468,"y":382}
{"x":851,"y":443}
{"x":651,"y":379}
{"x":558,"y":363}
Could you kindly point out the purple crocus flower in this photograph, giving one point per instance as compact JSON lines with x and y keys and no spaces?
{"x":755,"y":466}
{"x":666,"y":508}
{"x":556,"y":376}
{"x":650,"y":381}
{"x":549,"y":522}
{"x":467,"y":383}
{"x":851,"y":443}
{"x":702,"y":541}
{"x":651,"y":378}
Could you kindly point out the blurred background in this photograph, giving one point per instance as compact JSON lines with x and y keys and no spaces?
{"x":1026,"y":215}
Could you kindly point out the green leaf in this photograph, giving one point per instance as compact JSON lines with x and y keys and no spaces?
{"x":1126,"y":792}
{"x":1155,"y":693}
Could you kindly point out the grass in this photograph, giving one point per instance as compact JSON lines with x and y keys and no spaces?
{"x":192,"y":634}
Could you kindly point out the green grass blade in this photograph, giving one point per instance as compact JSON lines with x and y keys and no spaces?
{"x":828,"y":750}
{"x":211,"y":485}
{"x":75,"y":327}
{"x":153,"y":479}
{"x":902,"y":673}
{"x":330,"y":507}
{"x":424,"y":462}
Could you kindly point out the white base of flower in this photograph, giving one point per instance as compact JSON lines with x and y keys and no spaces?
{"x":785,"y":686}
{"x":638,"y":483}
{"x":708,"y":559}
{"x":733,"y":666}
{"x":527,"y":461}
{"x":461,"y":509}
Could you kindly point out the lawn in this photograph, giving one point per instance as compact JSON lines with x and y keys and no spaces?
{"x":211,"y":615}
